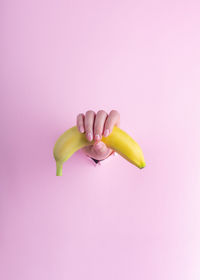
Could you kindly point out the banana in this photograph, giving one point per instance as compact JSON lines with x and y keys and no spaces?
{"x":118,"y":140}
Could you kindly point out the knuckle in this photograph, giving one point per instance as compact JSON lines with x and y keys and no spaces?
{"x":114,"y":112}
{"x":90,"y":112}
{"x":79,"y":116}
{"x":101,"y":112}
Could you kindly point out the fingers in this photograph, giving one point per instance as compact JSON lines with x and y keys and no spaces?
{"x":89,"y":123}
{"x":99,"y":124}
{"x":112,"y":119}
{"x":100,"y":148}
{"x":80,"y":122}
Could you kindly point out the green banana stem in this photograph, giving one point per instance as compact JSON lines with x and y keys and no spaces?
{"x":58,"y":168}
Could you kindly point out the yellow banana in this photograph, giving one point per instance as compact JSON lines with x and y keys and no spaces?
{"x":118,"y":140}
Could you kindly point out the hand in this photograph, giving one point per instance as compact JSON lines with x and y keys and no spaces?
{"x":94,"y":126}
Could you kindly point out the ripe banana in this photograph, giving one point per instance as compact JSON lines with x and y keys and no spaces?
{"x":118,"y":140}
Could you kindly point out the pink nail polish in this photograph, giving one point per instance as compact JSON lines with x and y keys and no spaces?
{"x":81,"y":129}
{"x":90,"y":136}
{"x":97,"y":137}
{"x":106,"y":132}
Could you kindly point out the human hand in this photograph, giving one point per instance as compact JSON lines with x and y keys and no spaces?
{"x":94,"y":126}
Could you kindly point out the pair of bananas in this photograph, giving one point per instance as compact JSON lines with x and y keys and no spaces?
{"x":72,"y":140}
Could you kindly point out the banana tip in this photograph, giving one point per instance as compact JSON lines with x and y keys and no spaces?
{"x":142,"y":165}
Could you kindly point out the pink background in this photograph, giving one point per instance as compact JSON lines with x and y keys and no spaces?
{"x":60,"y":58}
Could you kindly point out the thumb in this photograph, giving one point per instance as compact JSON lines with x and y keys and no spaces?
{"x":100,"y":148}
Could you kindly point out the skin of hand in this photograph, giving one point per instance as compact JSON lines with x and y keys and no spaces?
{"x":94,"y":125}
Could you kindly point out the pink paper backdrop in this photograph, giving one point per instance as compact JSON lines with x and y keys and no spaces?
{"x":60,"y":58}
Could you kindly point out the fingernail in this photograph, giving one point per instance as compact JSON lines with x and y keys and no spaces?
{"x":106,"y":133}
{"x":97,"y":137}
{"x":89,"y":136}
{"x":81,"y":129}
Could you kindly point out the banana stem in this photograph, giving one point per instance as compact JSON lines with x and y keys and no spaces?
{"x":58,"y":169}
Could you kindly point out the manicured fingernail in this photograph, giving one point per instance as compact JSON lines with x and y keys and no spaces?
{"x":97,"y":137}
{"x":81,"y":129}
{"x":106,"y":133}
{"x":89,"y":136}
